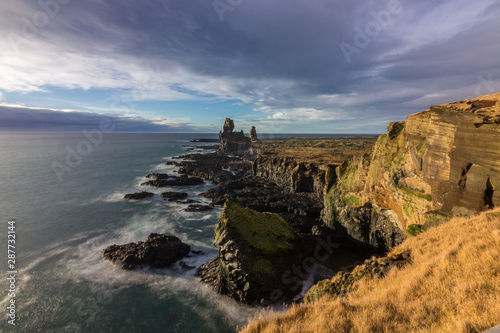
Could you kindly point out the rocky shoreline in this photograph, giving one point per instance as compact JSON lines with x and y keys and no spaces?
{"x":271,"y":222}
{"x":285,"y":220}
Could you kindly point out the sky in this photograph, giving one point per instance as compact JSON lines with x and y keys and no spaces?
{"x":284,"y":66}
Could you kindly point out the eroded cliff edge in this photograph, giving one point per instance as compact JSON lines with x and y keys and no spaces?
{"x":442,"y":162}
{"x":439,"y":163}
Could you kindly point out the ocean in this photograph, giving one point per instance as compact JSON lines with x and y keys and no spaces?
{"x":68,"y":209}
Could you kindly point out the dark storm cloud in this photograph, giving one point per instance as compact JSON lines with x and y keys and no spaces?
{"x":272,"y":55}
{"x":23,"y":119}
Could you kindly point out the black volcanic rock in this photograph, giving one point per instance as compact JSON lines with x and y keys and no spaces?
{"x":171,"y":196}
{"x":156,"y":176}
{"x":211,"y":166}
{"x":197,"y":208}
{"x":188,"y":201}
{"x":232,"y":142}
{"x":174,"y":181}
{"x":157,"y":251}
{"x":255,"y":251}
{"x":253,"y":134}
{"x":138,"y":195}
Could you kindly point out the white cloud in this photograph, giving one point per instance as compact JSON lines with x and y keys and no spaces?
{"x":92,"y":47}
{"x":427,"y":25}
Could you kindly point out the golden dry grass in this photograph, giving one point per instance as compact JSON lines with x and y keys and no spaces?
{"x":452,"y":285}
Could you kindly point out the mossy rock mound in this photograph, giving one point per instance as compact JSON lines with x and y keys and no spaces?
{"x":255,"y":250}
{"x":265,"y":233}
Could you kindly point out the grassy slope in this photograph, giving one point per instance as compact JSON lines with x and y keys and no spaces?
{"x":452,"y":285}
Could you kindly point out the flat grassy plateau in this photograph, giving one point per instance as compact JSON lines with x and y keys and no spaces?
{"x":319,"y":150}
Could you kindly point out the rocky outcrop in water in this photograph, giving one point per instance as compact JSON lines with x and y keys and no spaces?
{"x":157,"y":176}
{"x":255,"y":249}
{"x":158,"y":251}
{"x":197,"y":208}
{"x":232,"y":142}
{"x":183,"y":180}
{"x":172,"y":196}
{"x":138,"y":195}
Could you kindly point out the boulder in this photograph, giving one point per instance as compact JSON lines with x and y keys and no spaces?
{"x":138,"y":195}
{"x":197,"y":208}
{"x":156,"y":176}
{"x":172,"y":196}
{"x":188,"y":201}
{"x":158,"y":251}
{"x":183,"y":180}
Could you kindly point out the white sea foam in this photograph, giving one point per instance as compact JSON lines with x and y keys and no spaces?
{"x":191,"y":293}
{"x":113,"y":197}
{"x":23,"y":276}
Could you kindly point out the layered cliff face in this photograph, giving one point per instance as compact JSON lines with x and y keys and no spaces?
{"x":445,"y":160}
{"x":291,"y":174}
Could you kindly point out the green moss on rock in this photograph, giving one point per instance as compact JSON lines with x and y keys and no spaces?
{"x":351,"y":200}
{"x":411,"y":192}
{"x":265,"y":232}
{"x":344,"y":282}
{"x":262,"y":267}
{"x":415,"y":229}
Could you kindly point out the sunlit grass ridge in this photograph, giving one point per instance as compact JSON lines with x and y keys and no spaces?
{"x":452,"y":285}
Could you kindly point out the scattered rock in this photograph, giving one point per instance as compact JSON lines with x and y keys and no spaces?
{"x":188,"y":201}
{"x":156,"y":176}
{"x":174,"y":181}
{"x":172,"y":196}
{"x":157,"y":251}
{"x":138,"y":195}
{"x":197,"y":208}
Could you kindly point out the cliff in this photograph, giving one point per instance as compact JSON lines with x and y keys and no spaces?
{"x":442,"y":162}
{"x":291,"y":174}
{"x":439,"y":163}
